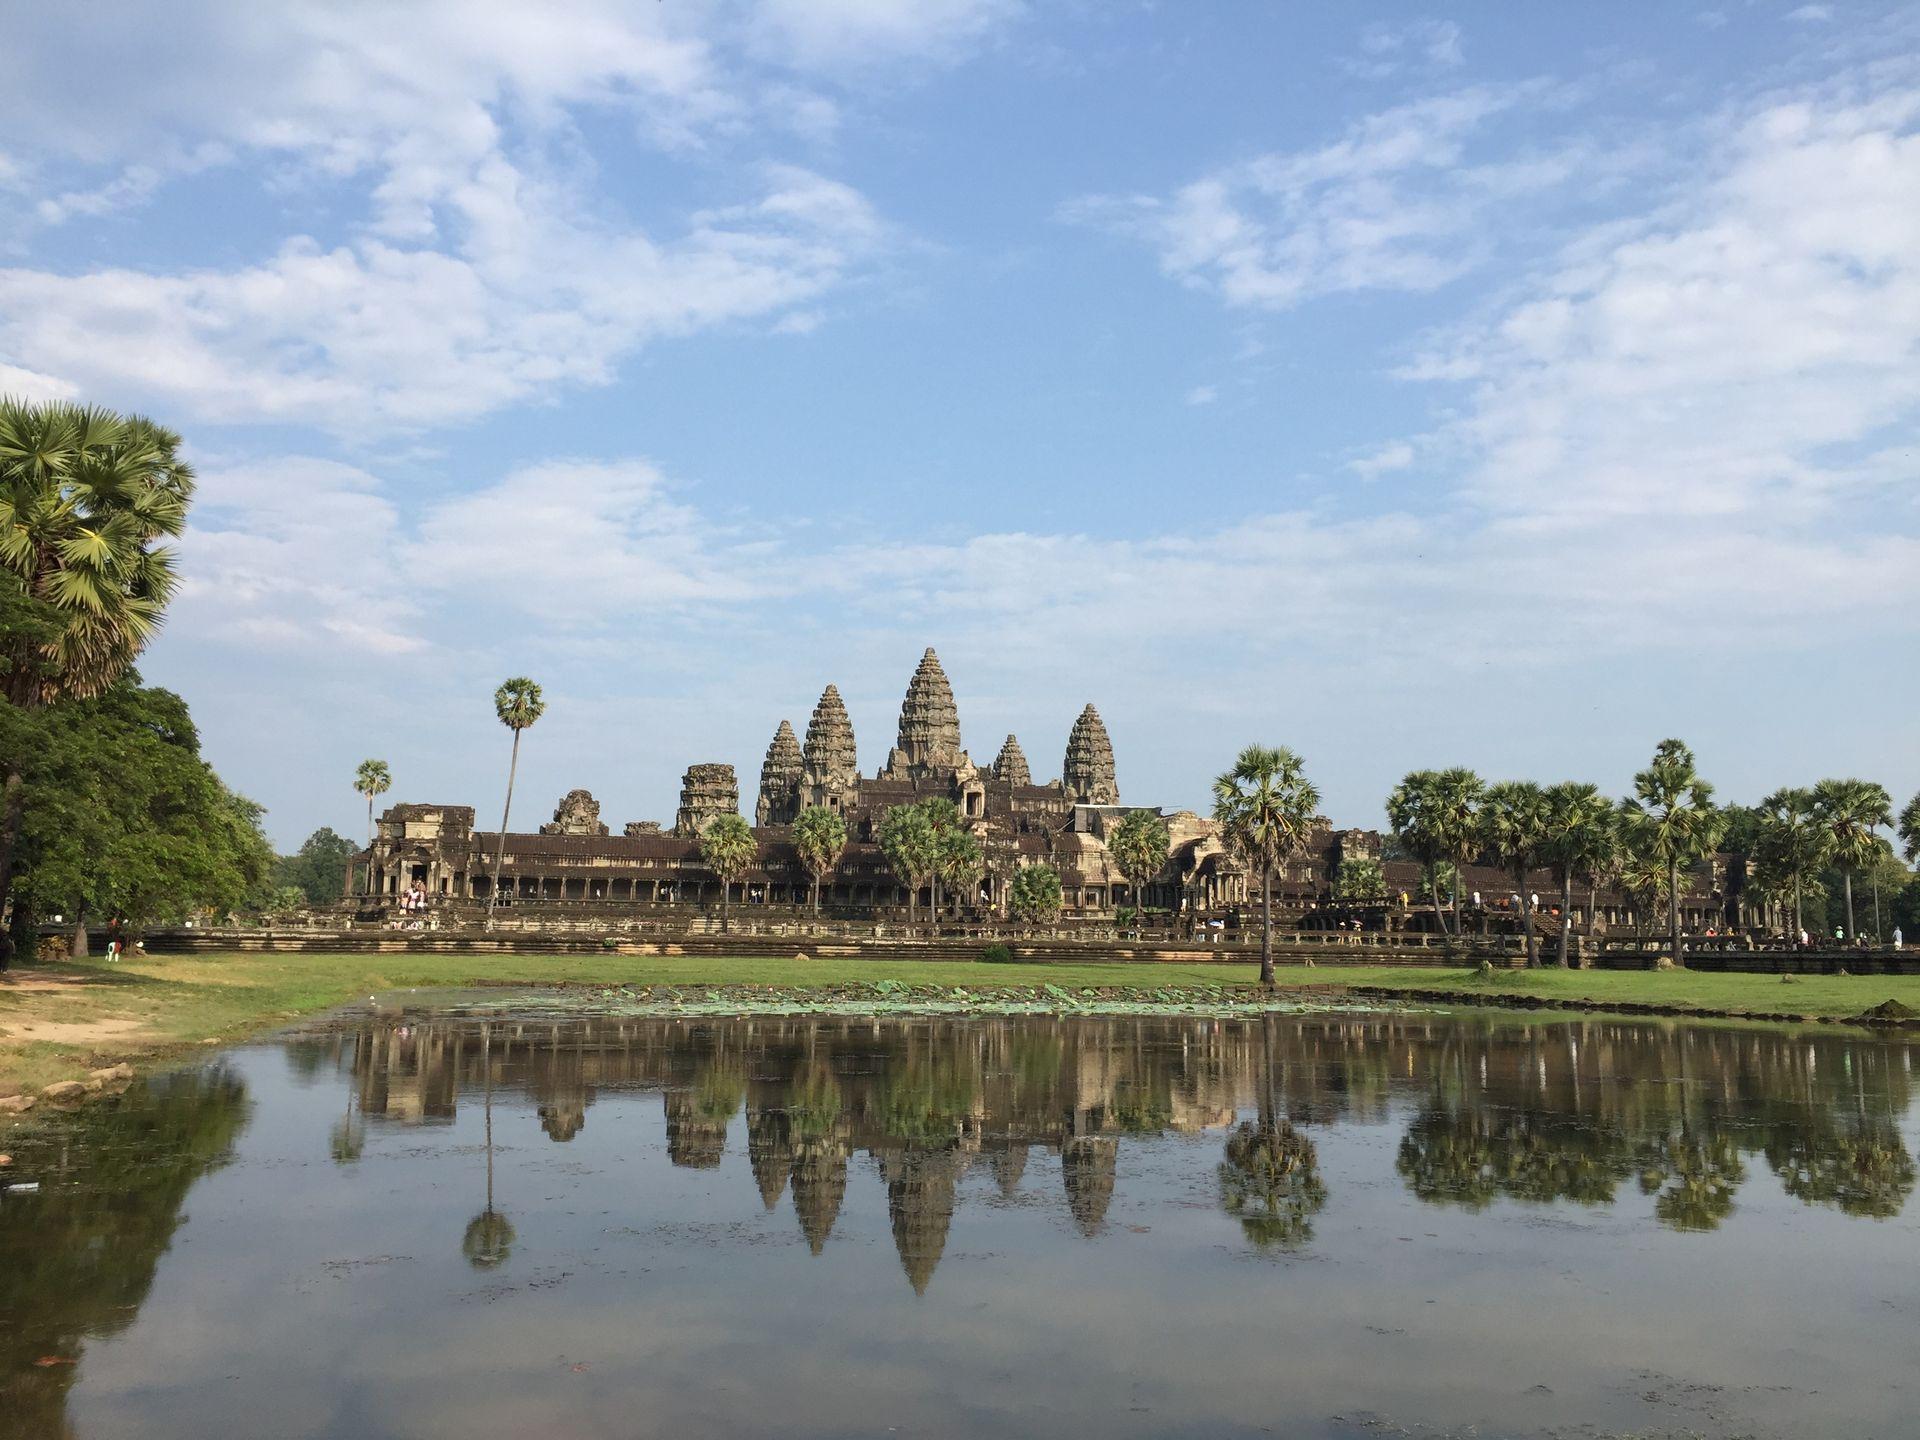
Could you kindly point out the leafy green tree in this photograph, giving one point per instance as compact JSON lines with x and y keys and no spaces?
{"x":124,"y":818}
{"x":1670,"y":821}
{"x":85,"y":498}
{"x":318,"y":869}
{"x":820,"y":835}
{"x":944,"y":847}
{"x":1359,"y":881}
{"x":1140,"y":843}
{"x":1582,"y":839}
{"x":728,"y":848}
{"x":518,"y":703}
{"x":1035,"y":895}
{"x":1792,"y":843}
{"x":1910,"y":830}
{"x":1414,"y":815}
{"x":1265,"y":809}
{"x":1515,"y":827}
{"x":907,"y":839}
{"x":1457,"y":813}
{"x":1850,"y":811}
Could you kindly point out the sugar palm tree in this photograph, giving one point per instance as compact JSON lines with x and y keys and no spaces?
{"x":727,"y":847}
{"x":1910,"y":830}
{"x":1792,"y":842}
{"x":86,"y":496}
{"x":1265,"y":809}
{"x":1456,"y":816}
{"x":1140,"y":843}
{"x":1670,"y":821}
{"x":907,"y":840}
{"x":1413,"y":814}
{"x":820,"y":835}
{"x":1581,"y":840}
{"x":372,"y":779}
{"x":1515,"y":828}
{"x":942,"y":822}
{"x":1850,"y":811}
{"x":518,"y":704}
{"x":957,"y":862}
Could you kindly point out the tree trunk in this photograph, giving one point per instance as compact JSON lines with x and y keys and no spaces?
{"x":500,"y":855}
{"x":1799,"y":921}
{"x":1566,"y":912}
{"x":1849,"y":874}
{"x":1879,"y":935}
{"x":78,"y":949}
{"x":1266,"y":924}
{"x":1433,"y":893}
{"x":10,"y":813}
{"x":816,"y":897}
{"x":726,"y":892}
{"x":1526,"y":920}
{"x":1673,"y":907}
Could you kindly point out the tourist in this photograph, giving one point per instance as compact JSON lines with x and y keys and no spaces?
{"x":1804,"y":941}
{"x":1896,"y":937}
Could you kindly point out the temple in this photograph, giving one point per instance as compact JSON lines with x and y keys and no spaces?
{"x":575,"y":859}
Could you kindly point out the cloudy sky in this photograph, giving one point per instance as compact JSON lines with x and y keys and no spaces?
{"x":1502,"y":385}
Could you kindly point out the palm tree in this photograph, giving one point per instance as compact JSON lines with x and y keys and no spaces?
{"x":957,"y":861}
{"x":1140,"y":843}
{"x":1581,"y":839}
{"x":906,"y":839}
{"x":942,"y":822}
{"x":372,"y":779}
{"x":85,"y":495}
{"x":1034,"y":894}
{"x":1456,"y":816}
{"x":1515,"y":827}
{"x":1792,"y":841}
{"x":1910,"y":829}
{"x":820,"y":835}
{"x":728,"y":848}
{"x":1265,"y":809}
{"x":1646,"y":883}
{"x":1850,"y":811}
{"x":1670,"y":821}
{"x":1413,"y":814}
{"x":518,"y":704}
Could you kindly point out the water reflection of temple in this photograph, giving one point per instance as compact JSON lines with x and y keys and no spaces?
{"x":1578,"y":1111}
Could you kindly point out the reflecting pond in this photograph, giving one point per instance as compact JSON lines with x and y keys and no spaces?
{"x":447,"y":1221}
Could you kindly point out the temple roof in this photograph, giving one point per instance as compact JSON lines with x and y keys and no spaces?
{"x":1010,"y":765}
{"x":829,"y":754}
{"x":929,"y":720}
{"x":1088,"y":772}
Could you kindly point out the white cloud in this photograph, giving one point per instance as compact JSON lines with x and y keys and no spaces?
{"x":1202,"y":395}
{"x":1390,"y":50}
{"x":1811,"y":14}
{"x":1394,"y":205}
{"x":31,"y":385}
{"x":1394,"y":456}
{"x":835,"y":33}
{"x":384,"y":336}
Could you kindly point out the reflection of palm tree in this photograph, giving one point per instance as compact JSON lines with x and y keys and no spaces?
{"x":349,"y":1137}
{"x":489,"y":1238}
{"x":1270,"y":1179}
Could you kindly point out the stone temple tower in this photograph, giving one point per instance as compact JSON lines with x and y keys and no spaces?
{"x":1010,"y":765}
{"x":1088,"y":774}
{"x":829,"y":765}
{"x":779,"y":799}
{"x":706,"y":793}
{"x":929,"y":727}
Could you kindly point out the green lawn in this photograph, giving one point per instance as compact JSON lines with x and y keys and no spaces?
{"x":57,"y":1021}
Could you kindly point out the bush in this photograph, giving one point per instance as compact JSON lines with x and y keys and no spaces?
{"x":609,"y":942}
{"x":996,"y":955}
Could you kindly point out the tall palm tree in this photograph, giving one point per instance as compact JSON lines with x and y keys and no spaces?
{"x":372,"y":779}
{"x":957,"y":862}
{"x":1670,"y":821}
{"x":85,"y":497}
{"x":1515,"y":828}
{"x":1140,"y":843}
{"x":1034,"y":893}
{"x":727,"y":847}
{"x":907,"y":840}
{"x":1910,"y":829}
{"x":1413,"y":813}
{"x":942,"y":825}
{"x":1792,"y":841}
{"x":518,"y":704}
{"x":820,"y":835}
{"x":1850,"y":811}
{"x":1456,"y":814}
{"x":1265,"y":809}
{"x":1580,"y":840}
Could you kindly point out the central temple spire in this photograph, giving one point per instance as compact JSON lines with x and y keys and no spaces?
{"x":929,"y":720}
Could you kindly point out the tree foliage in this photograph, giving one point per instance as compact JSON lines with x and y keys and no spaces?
{"x":1359,"y":881}
{"x":728,"y":848}
{"x":1140,"y":843}
{"x":1035,"y":895}
{"x":820,"y":836}
{"x":1515,"y":820}
{"x":318,"y":869}
{"x":1265,"y":807}
{"x":1670,"y":821}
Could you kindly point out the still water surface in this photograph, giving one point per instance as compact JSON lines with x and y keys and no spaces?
{"x":448,"y":1223}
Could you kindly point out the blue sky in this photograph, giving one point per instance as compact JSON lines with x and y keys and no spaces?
{"x":1489,"y":384}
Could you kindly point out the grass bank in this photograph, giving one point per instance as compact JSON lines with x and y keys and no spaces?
{"x":57,"y":1022}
